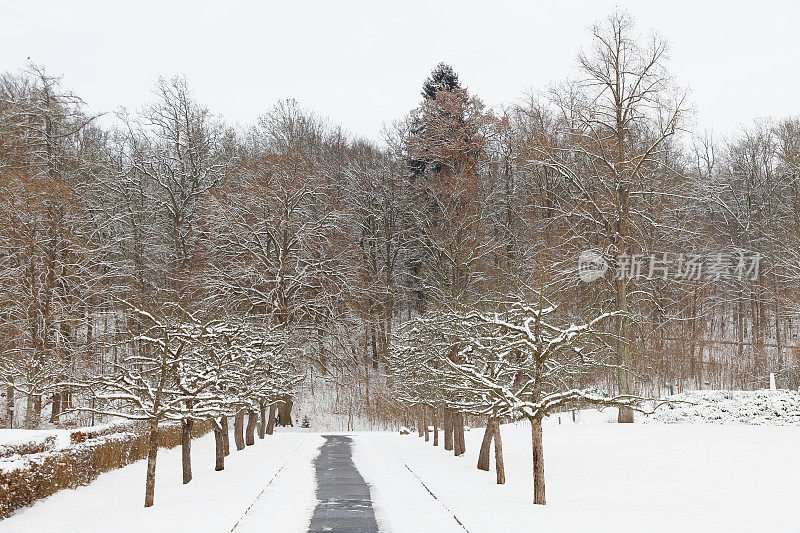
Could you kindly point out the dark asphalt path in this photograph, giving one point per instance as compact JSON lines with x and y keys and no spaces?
{"x":344,"y":501}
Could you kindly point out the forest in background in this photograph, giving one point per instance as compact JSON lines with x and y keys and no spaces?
{"x":172,"y":222}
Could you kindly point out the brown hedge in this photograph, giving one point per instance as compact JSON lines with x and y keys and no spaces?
{"x":39,"y":475}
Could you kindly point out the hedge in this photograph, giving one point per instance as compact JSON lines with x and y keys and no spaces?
{"x":40,"y":445}
{"x":27,"y":478}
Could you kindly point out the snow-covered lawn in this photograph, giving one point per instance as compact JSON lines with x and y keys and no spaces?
{"x":600,"y":477}
{"x":213,"y":502}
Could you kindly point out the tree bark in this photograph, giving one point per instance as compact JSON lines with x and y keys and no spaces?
{"x":498,"y":454}
{"x":186,"y":449}
{"x":55,"y":408}
{"x":486,"y":445}
{"x":10,"y":406}
{"x":285,"y":412}
{"x":252,"y":422}
{"x":459,"y":447}
{"x":219,"y":443}
{"x":271,"y":419}
{"x":624,"y":379}
{"x":435,"y":429}
{"x":238,"y":429}
{"x":152,"y":455}
{"x":262,"y":424}
{"x":538,"y":461}
{"x":420,"y":420}
{"x":31,"y":416}
{"x":448,"y":430}
{"x":226,"y":439}
{"x":425,"y":424}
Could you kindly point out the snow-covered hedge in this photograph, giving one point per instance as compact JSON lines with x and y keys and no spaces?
{"x":25,"y":447}
{"x":761,"y":407}
{"x":76,"y":436}
{"x":25,"y":478}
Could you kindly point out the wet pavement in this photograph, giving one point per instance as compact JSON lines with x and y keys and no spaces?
{"x":344,"y":504}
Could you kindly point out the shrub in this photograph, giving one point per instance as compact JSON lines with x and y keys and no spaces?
{"x":79,"y":435}
{"x":28,"y":447}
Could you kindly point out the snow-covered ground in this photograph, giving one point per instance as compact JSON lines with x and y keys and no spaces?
{"x":213,"y":502}
{"x":600,"y":477}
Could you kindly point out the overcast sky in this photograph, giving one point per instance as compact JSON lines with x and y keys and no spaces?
{"x":362,"y":63}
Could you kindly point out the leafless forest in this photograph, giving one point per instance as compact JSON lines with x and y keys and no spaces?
{"x":166,"y":266}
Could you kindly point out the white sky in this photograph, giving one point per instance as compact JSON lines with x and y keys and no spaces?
{"x":362,"y":63}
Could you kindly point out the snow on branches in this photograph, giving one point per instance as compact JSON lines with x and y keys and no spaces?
{"x":521,"y":361}
{"x":178,"y":368}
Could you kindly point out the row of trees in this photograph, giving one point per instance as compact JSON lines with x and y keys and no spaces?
{"x":520,"y":362}
{"x":188,"y":372}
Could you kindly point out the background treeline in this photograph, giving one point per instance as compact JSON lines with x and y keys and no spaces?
{"x":295,"y":225}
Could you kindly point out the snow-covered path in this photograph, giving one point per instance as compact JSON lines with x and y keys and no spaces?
{"x":400,"y":499}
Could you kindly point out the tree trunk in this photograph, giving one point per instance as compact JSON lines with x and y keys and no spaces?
{"x":10,"y":406}
{"x":374,"y":346}
{"x":271,"y":419}
{"x":152,"y":455}
{"x":486,"y":446}
{"x":226,"y":439}
{"x":55,"y":408}
{"x":219,"y":443}
{"x":420,"y":420}
{"x":435,"y":429}
{"x":262,"y":425}
{"x":31,"y":416}
{"x":624,"y":378}
{"x":625,"y":415}
{"x":448,"y":430}
{"x":498,"y":454}
{"x":458,"y":434}
{"x":186,"y":449}
{"x":252,"y":422}
{"x":238,"y":430}
{"x":538,"y":461}
{"x":285,"y":412}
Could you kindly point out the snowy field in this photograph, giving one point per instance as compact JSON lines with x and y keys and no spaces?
{"x":600,"y":477}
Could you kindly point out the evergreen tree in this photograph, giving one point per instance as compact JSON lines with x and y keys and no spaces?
{"x":442,"y":78}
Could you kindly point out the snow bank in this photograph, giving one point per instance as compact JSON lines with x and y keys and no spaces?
{"x":761,"y":407}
